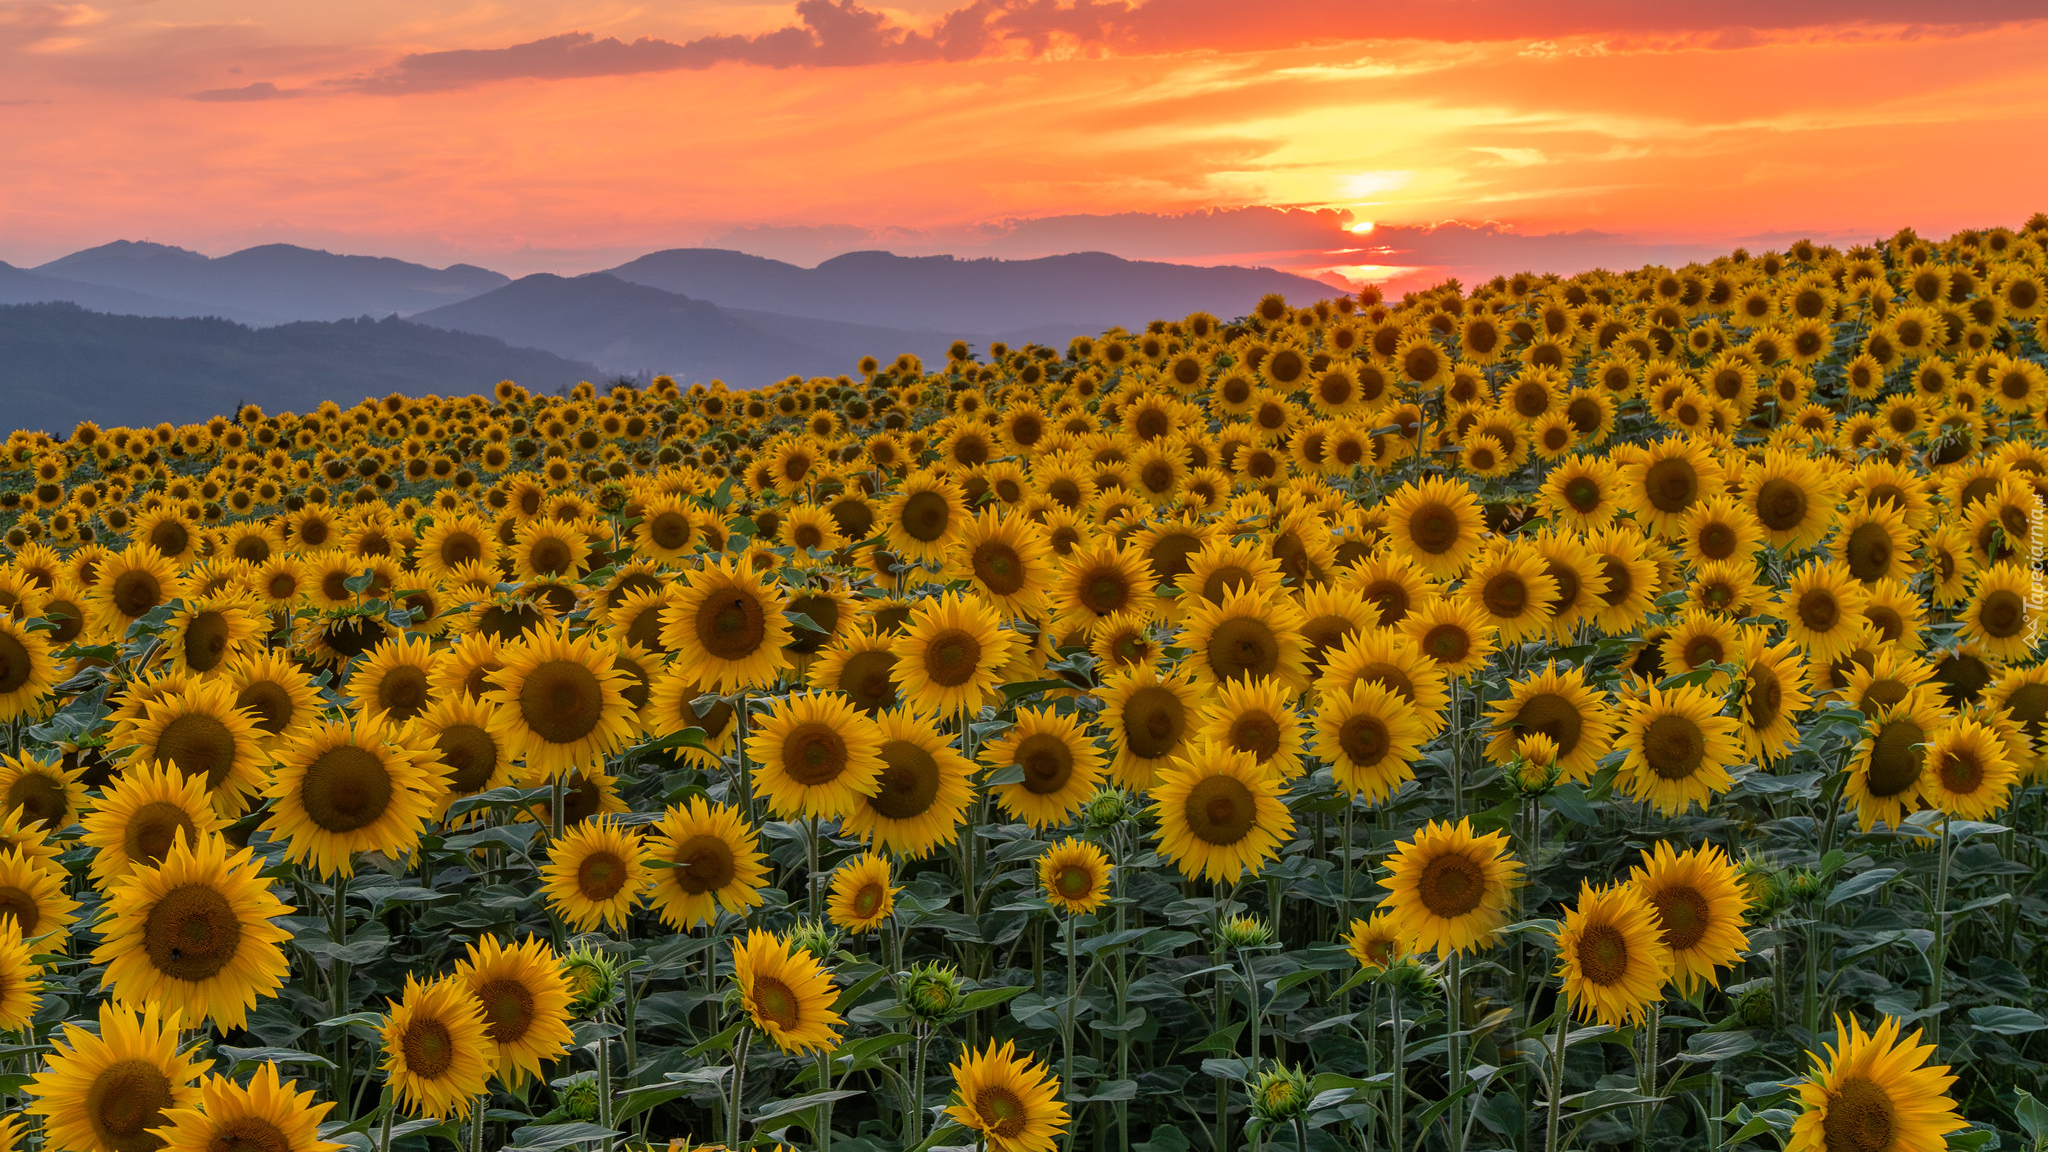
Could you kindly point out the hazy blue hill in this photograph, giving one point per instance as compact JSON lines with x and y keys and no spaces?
{"x":274,"y":283}
{"x":1084,"y":291}
{"x":22,"y":287}
{"x":635,"y":329}
{"x":60,"y":364}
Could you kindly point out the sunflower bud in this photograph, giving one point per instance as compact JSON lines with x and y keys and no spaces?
{"x":1280,"y":1093}
{"x":1534,"y":769}
{"x":1807,"y":886}
{"x":932,"y":992}
{"x":1408,"y":975}
{"x":593,"y":978}
{"x":1764,"y":886}
{"x":1245,"y":932}
{"x":1107,"y":809}
{"x":816,"y":937}
{"x":578,"y":1095}
{"x":1758,"y":1008}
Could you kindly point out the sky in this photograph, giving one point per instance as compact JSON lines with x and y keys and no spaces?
{"x":1397,"y":141}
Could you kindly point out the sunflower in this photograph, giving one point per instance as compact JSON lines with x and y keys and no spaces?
{"x":1774,"y":690}
{"x":107,"y":1092}
{"x":708,"y":860}
{"x":1611,"y":955}
{"x":787,"y":994}
{"x":1512,"y":586}
{"x":1720,"y":528}
{"x":1560,"y":705}
{"x":267,"y":1115}
{"x":437,"y":1048}
{"x":925,"y":517}
{"x":1793,"y":498}
{"x":560,"y":701}
{"x":1583,"y":493}
{"x":922,"y":793}
{"x":727,"y":626}
{"x":596,"y":872}
{"x":1061,"y":767}
{"x":1376,"y":943}
{"x":1822,"y":606}
{"x":1012,"y":1101}
{"x":1102,"y":579}
{"x":1074,"y":876}
{"x":1219,"y":813}
{"x":394,"y":680}
{"x":1450,"y":890}
{"x":2000,"y":614}
{"x":1224,"y":566}
{"x":860,"y":898}
{"x":1437,"y":524}
{"x":1875,"y":543}
{"x":1967,"y":772}
{"x":1679,"y":748}
{"x":204,"y":634}
{"x":548,"y":549}
{"x":1150,"y":716}
{"x":201,"y":732}
{"x":41,"y":791}
{"x":861,"y":666}
{"x":1452,"y":632}
{"x":1391,"y":660}
{"x":453,"y":541}
{"x":129,"y":584}
{"x":141,"y":814}
{"x":195,"y":932}
{"x":28,"y":671}
{"x":1700,"y":639}
{"x":950,"y":654}
{"x":524,"y":997}
{"x":1255,"y":715}
{"x":279,"y":697}
{"x":1125,"y":640}
{"x":1007,"y":560}
{"x":1700,"y":902}
{"x":1667,"y":479}
{"x":1630,"y":573}
{"x":815,"y":756}
{"x":1884,"y":781}
{"x":346,"y":788}
{"x":21,"y":980}
{"x":455,"y":737}
{"x":1875,"y":1093}
{"x":1371,"y":738}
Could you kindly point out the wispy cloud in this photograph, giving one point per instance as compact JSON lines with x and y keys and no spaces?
{"x":261,"y":90}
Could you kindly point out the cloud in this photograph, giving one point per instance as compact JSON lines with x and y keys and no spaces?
{"x":38,"y":27}
{"x":261,"y":90}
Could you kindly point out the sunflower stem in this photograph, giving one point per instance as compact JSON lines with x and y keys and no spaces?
{"x":390,"y":1106}
{"x":1395,"y":1126}
{"x":1648,"y":1080}
{"x":1940,"y":964}
{"x":1564,"y":1026}
{"x":824,"y":1134}
{"x":739,"y":1085}
{"x":604,"y":1083}
{"x":812,"y":890}
{"x":1454,"y":1024}
{"x":1073,"y":994}
{"x":916,"y":1117}
{"x":476,"y":1127}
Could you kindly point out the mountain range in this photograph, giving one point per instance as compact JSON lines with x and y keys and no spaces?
{"x":694,"y":313}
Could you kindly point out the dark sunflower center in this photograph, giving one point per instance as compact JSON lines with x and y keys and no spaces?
{"x":1603,"y":954}
{"x":1819,"y":610}
{"x":669,"y":531}
{"x":1365,"y":739}
{"x":470,"y":754}
{"x":1104,"y":591}
{"x":814,"y":754}
{"x":206,"y":640}
{"x":403,"y":692}
{"x":41,"y":799}
{"x":1002,"y":1110}
{"x":1671,"y":485}
{"x":925,"y":515}
{"x":1717,"y":541}
{"x":135,"y":593}
{"x":1506,"y":595}
{"x":1684,"y":913}
{"x":1895,"y":759}
{"x":1220,"y":810}
{"x":550,"y":556}
{"x":429,"y":1048}
{"x":732,"y":624}
{"x":191,"y":933}
{"x":1674,"y":747}
{"x":704,"y":863}
{"x":199,"y":745}
{"x":1451,"y":885}
{"x":1242,"y":647}
{"x":1960,"y":771}
{"x":867,"y":900}
{"x":1073,"y":881}
{"x":1154,"y":720}
{"x":248,"y":1134}
{"x":1583,"y":494}
{"x":1434,"y":528}
{"x":1554,"y":716}
{"x":1781,"y":505}
{"x":952,"y":658}
{"x":125,"y":1101}
{"x":865,"y":679}
{"x":998,"y":567}
{"x":20,"y":907}
{"x":1223,"y":581}
{"x":909,"y":783}
{"x":2002,"y":613}
{"x":562,"y":701}
{"x":346,"y":788}
{"x":1256,"y":733}
{"x":1860,"y":1117}
{"x":774,"y":1001}
{"x":1047,"y":762}
{"x":600,"y":875}
{"x":508,"y":1009}
{"x":153,"y":829}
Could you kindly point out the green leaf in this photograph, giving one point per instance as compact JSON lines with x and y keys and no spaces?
{"x":2032,"y":1115}
{"x":803,"y":1103}
{"x":252,"y":1056}
{"x":2005,"y":1020}
{"x":981,"y":998}
{"x":1861,"y":885}
{"x":720,"y":1043}
{"x":554,"y":1137}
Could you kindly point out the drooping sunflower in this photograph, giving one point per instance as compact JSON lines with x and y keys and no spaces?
{"x":1220,"y":814}
{"x":1679,"y":748}
{"x":1611,"y":955}
{"x":437,"y":1048}
{"x":1875,"y":1093}
{"x":815,"y":756}
{"x":860,"y":898}
{"x":727,"y":626}
{"x":1885,"y":777}
{"x":28,"y":672}
{"x":107,"y":1092}
{"x":1061,"y":766}
{"x":201,"y":732}
{"x":195,"y":932}
{"x":1822,"y":606}
{"x":1149,"y":716}
{"x":524,"y":998}
{"x":1256,"y":715}
{"x":922,"y":792}
{"x":269,"y":1114}
{"x":561,"y":701}
{"x":1074,"y":876}
{"x":715,"y":864}
{"x":1371,"y":738}
{"x":1700,"y":903}
{"x":1562,"y":706}
{"x":596,"y":872}
{"x":786,"y":992}
{"x":1436,"y":523}
{"x":1449,"y":890}
{"x":346,"y":788}
{"x":1248,"y":635}
{"x":1012,"y":1101}
{"x":1967,"y":772}
{"x":141,"y":814}
{"x":950,"y":654}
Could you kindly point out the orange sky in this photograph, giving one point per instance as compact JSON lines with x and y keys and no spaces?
{"x":826,"y":125}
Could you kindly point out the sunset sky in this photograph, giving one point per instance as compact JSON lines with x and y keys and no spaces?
{"x":1406,"y":138}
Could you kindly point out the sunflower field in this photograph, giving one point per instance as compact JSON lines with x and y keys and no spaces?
{"x":1573,"y":712}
